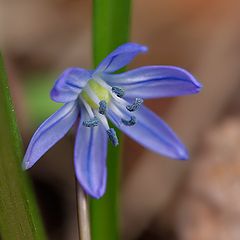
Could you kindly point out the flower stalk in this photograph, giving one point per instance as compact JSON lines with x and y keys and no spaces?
{"x":83,"y":213}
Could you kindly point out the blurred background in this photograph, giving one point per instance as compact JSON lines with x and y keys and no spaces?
{"x":160,"y":198}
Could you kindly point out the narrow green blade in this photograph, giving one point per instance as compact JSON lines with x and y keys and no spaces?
{"x":19,"y":216}
{"x":110,"y":29}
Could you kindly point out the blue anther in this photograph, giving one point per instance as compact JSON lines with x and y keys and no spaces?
{"x":135,"y":106}
{"x":91,"y":123}
{"x":102,"y":107}
{"x":130,"y":122}
{"x":112,"y":136}
{"x":118,"y":91}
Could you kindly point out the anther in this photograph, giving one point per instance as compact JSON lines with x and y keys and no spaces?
{"x":135,"y":106}
{"x":118,"y":91}
{"x":91,"y":123}
{"x":102,"y":107}
{"x":130,"y":122}
{"x":112,"y":136}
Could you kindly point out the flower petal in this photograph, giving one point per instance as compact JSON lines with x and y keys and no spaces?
{"x":120,"y":57}
{"x":90,"y":159}
{"x":50,"y":131}
{"x":154,"y":82}
{"x":69,"y":85}
{"x":154,"y":134}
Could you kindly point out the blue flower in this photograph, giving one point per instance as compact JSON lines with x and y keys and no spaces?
{"x":99,"y":95}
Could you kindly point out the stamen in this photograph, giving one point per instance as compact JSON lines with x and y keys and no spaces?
{"x":102,"y":107}
{"x":88,"y":108}
{"x":135,"y":106}
{"x":130,"y":122}
{"x":112,"y":136}
{"x":116,"y":110}
{"x":118,"y":91}
{"x":102,"y":119}
{"x":120,"y":111}
{"x":91,"y":123}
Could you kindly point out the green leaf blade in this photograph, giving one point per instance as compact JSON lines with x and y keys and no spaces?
{"x":19,"y":218}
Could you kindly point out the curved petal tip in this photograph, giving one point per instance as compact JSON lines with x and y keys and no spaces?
{"x":50,"y":132}
{"x":188,"y":77}
{"x":195,"y":82}
{"x":26,"y":165}
{"x":96,"y":191}
{"x":142,"y":48}
{"x":182,"y":153}
{"x":199,"y":87}
{"x":97,"y":194}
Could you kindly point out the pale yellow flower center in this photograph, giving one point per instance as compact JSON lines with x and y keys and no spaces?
{"x":101,"y":92}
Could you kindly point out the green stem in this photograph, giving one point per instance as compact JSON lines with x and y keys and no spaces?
{"x":111,"y":20}
{"x":19,"y":216}
{"x":110,"y":29}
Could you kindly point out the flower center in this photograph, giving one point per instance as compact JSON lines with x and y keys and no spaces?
{"x":101,"y":92}
{"x":96,"y":97}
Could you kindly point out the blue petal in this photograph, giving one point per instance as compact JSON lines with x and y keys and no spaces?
{"x":90,"y":159}
{"x":154,"y":82}
{"x":50,"y":131}
{"x":69,"y":85}
{"x":154,"y":134}
{"x":120,"y":57}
